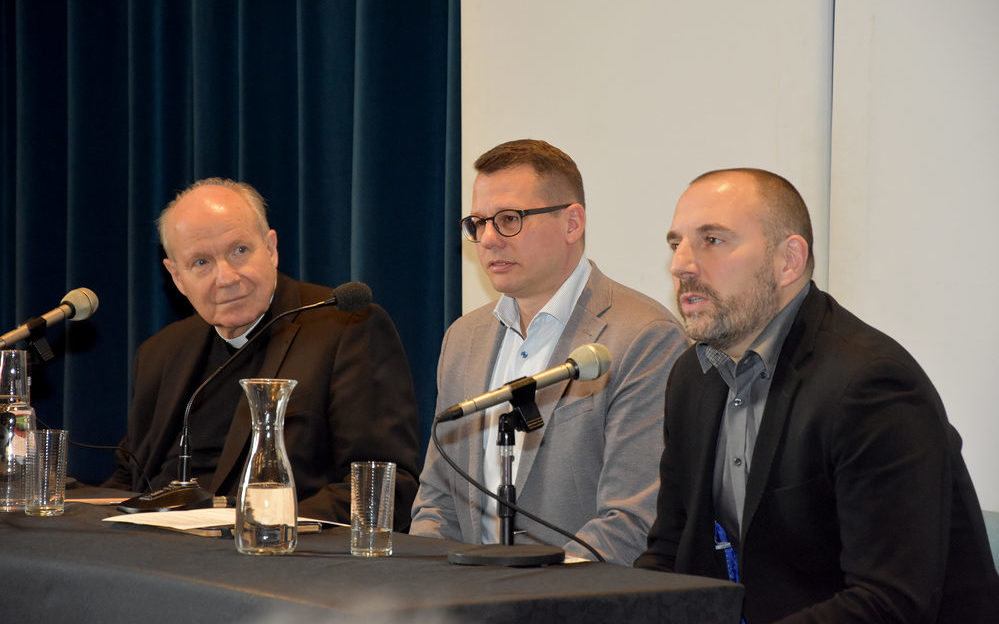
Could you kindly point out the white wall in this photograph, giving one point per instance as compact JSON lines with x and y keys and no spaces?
{"x":915,"y":162}
{"x":647,"y":94}
{"x":644,"y":96}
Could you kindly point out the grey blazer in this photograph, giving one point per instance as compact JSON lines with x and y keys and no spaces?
{"x":592,"y":469}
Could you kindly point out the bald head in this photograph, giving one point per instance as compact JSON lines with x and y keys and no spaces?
{"x":220,"y":253}
{"x":224,"y":191}
{"x":783,"y":211}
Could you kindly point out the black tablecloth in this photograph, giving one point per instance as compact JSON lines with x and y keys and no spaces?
{"x":75,"y":568}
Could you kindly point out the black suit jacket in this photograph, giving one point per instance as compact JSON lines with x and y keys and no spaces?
{"x":354,"y":401}
{"x":858,"y":507}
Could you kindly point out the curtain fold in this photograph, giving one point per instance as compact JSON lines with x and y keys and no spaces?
{"x":345,"y":115}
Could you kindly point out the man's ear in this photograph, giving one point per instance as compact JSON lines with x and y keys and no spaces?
{"x":576,"y":223}
{"x":793,"y":257}
{"x":272,"y":247}
{"x":171,"y":267}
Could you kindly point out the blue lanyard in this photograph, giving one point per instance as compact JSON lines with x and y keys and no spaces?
{"x":731,"y":559}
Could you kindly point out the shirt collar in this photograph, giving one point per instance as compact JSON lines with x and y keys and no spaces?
{"x":238,"y":341}
{"x":559,"y":307}
{"x":767,"y":345}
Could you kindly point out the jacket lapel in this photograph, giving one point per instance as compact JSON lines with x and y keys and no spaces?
{"x":584,"y":326}
{"x":175,"y":386}
{"x":278,"y":343}
{"x":486,"y":338}
{"x":710,"y":406}
{"x":797,"y":347}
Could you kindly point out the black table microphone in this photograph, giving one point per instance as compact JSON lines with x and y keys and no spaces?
{"x":184,"y":492}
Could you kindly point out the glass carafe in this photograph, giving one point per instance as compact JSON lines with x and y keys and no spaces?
{"x":16,"y":419}
{"x":266,"y":505}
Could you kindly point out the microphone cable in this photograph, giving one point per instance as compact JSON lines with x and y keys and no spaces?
{"x":129,"y":456}
{"x":513,"y":506}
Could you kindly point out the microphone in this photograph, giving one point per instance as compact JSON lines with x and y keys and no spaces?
{"x":184,"y":492}
{"x":77,"y":305}
{"x":584,"y":363}
{"x":348,"y":297}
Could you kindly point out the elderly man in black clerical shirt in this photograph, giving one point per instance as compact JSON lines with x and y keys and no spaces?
{"x":354,"y":399}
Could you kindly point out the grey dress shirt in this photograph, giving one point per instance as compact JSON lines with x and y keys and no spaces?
{"x":748,"y":383}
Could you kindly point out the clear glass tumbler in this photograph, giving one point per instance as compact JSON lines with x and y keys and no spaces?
{"x":372,"y":502}
{"x":45,"y":472}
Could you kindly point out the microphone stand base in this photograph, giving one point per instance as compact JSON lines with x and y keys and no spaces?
{"x":517,"y":555}
{"x":177,"y":495}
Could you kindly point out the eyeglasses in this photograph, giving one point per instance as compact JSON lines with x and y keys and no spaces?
{"x":507,"y":222}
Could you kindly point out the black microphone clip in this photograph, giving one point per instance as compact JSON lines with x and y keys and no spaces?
{"x":37,"y":343}
{"x":525,"y":414}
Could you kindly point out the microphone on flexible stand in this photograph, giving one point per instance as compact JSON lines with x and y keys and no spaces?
{"x":585,"y":363}
{"x":184,"y":492}
{"x":78,"y":304}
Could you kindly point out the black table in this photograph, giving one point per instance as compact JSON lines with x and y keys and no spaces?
{"x":75,"y":568}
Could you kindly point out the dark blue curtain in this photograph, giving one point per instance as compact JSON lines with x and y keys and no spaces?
{"x":343,"y":113}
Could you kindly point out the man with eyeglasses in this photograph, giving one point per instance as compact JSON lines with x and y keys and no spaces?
{"x":591,"y":469}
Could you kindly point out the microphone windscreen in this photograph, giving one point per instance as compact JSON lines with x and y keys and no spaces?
{"x":352,"y":296}
{"x":84,"y":302}
{"x":592,"y":360}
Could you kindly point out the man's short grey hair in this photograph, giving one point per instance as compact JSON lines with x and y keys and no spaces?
{"x":244,"y":190}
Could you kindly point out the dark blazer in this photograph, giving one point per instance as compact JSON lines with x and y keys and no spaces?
{"x":858,"y":508}
{"x":354,"y":401}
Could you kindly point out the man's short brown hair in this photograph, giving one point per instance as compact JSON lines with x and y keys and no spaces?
{"x":552,"y":165}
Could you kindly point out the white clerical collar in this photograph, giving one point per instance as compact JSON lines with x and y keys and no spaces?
{"x":242,"y":339}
